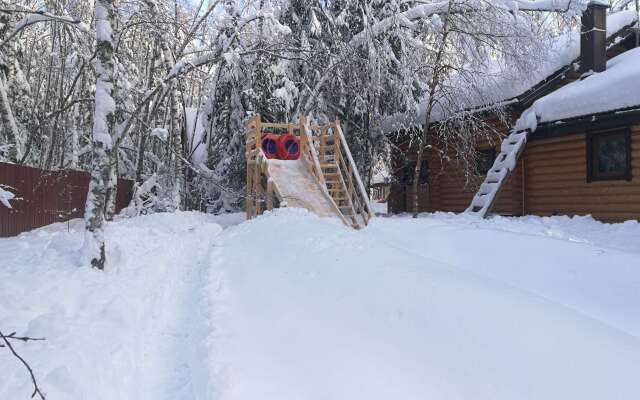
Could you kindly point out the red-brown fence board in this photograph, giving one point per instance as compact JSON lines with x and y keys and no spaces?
{"x":45,"y":197}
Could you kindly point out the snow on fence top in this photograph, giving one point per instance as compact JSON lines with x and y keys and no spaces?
{"x":503,"y":86}
{"x":617,"y":87}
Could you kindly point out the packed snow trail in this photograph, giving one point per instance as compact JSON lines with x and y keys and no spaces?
{"x":134,"y":331}
{"x":319,"y":311}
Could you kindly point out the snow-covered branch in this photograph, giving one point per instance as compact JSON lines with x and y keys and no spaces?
{"x":409,"y":18}
{"x":36,"y":16}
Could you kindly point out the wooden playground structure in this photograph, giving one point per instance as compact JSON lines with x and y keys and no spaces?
{"x":324,"y":179}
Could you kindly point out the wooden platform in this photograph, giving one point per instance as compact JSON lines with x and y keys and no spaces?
{"x":324,"y":180}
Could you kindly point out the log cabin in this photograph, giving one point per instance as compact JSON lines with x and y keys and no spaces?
{"x":581,"y":152}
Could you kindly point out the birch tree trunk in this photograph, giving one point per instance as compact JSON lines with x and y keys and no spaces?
{"x":176,"y":135}
{"x":74,"y":146}
{"x":8,"y":121}
{"x":7,"y":117}
{"x":103,"y":133}
{"x":175,"y":130}
{"x":112,"y":186}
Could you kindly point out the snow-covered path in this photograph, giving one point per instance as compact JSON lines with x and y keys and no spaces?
{"x":292,"y":306}
{"x":136,"y":331}
{"x":173,"y":340}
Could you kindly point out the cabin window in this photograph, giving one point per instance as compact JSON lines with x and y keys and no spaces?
{"x":410,"y":170}
{"x":485,"y":161}
{"x":609,"y":155}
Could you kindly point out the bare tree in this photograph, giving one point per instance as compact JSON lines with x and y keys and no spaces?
{"x":7,"y":343}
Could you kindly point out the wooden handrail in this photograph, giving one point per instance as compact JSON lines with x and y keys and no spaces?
{"x":347,"y":188}
{"x":364,"y":198}
{"x":308,"y":143}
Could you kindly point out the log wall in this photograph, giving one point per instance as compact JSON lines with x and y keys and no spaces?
{"x":556,"y":181}
{"x":551,"y":179}
{"x":452,"y":192}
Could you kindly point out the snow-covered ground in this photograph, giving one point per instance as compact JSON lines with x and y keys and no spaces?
{"x":379,"y":208}
{"x":291,"y":306}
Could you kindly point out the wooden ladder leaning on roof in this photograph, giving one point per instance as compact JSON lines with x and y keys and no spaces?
{"x":510,"y":151}
{"x":325,"y":157}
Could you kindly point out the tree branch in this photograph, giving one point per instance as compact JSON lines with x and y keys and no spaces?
{"x":36,"y":16}
{"x":12,"y":336}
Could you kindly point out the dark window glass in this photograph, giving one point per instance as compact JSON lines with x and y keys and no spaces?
{"x":485,"y":161}
{"x":410,"y":170}
{"x":609,"y":156}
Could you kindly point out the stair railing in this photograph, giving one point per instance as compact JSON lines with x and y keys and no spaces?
{"x":263,"y":192}
{"x":357,"y":192}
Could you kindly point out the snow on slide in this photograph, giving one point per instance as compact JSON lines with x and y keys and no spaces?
{"x":300,"y":188}
{"x":341,"y":314}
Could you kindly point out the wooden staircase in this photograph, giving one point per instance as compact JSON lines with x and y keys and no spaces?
{"x":510,"y":151}
{"x":326,"y":158}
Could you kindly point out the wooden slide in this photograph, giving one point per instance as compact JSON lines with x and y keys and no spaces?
{"x":324,"y":180}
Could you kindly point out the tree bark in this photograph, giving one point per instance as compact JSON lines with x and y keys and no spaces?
{"x":9,"y":122}
{"x":177,"y":165}
{"x":103,"y":134}
{"x":112,"y":187}
{"x":7,"y":117}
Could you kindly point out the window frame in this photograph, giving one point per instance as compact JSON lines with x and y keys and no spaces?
{"x":592,"y":138}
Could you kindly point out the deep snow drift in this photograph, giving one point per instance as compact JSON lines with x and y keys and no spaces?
{"x":291,"y":306}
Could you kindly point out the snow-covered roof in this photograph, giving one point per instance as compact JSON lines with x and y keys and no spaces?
{"x":504,"y":87}
{"x":380,"y":177}
{"x":617,"y":87}
{"x":381,"y":173}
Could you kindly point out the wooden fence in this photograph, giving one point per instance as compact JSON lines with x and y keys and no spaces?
{"x":44,"y":197}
